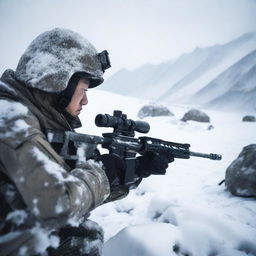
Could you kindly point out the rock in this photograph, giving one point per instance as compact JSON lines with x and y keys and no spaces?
{"x":154,"y":110}
{"x":210,"y":127}
{"x":240,"y":177}
{"x":249,"y":119}
{"x":196,"y":115}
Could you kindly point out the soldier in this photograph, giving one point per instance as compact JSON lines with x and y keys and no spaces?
{"x":45,"y":200}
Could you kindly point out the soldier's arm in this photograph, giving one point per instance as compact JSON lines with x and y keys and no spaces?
{"x":48,"y":188}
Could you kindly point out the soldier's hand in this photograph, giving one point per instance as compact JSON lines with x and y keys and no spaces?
{"x":152,"y":163}
{"x":114,"y":167}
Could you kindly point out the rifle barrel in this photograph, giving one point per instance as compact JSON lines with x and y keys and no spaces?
{"x":210,"y":156}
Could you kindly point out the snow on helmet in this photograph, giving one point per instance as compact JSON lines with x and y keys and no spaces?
{"x":54,"y":56}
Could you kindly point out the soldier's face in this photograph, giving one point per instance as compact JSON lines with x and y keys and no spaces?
{"x":79,"y":98}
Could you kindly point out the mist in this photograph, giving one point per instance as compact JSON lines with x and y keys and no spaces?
{"x":134,"y":32}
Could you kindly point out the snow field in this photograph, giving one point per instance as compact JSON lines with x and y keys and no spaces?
{"x":184,"y":212}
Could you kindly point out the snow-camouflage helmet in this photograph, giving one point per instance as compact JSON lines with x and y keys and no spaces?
{"x":54,"y":56}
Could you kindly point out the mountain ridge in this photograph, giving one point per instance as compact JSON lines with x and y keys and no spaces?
{"x":177,"y":81}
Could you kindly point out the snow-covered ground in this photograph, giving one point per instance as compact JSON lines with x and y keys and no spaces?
{"x":184,"y":212}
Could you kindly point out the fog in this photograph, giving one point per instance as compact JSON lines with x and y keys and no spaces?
{"x":134,"y":32}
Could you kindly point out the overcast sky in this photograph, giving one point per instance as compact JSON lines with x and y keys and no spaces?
{"x":134,"y":32}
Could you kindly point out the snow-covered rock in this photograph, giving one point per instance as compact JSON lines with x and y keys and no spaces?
{"x":143,"y":240}
{"x":196,"y":115}
{"x":249,"y":118}
{"x":241,"y":174}
{"x":154,"y":110}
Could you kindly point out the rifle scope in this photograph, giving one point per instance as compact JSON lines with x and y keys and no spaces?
{"x":120,"y":123}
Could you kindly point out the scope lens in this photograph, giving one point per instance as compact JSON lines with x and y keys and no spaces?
{"x":101,"y":120}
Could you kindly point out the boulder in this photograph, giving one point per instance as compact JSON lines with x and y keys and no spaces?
{"x":210,"y":127}
{"x":240,"y":177}
{"x":249,"y":119}
{"x":196,"y":115}
{"x":154,"y":110}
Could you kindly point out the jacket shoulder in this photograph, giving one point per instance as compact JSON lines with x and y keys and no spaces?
{"x":17,"y":123}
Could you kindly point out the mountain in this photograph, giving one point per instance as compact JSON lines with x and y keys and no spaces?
{"x":220,"y":59}
{"x":233,"y":89}
{"x":151,"y":81}
{"x":178,"y":80}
